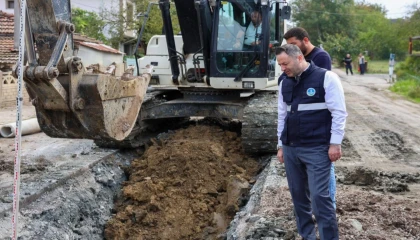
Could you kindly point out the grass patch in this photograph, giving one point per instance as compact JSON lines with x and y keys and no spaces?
{"x":378,"y":66}
{"x":409,"y":88}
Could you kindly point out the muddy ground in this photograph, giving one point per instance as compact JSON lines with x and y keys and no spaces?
{"x":181,"y":193}
{"x":189,"y":186}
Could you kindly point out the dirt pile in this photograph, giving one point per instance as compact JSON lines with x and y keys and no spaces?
{"x":369,"y":179}
{"x":372,"y":215}
{"x":187,"y":186}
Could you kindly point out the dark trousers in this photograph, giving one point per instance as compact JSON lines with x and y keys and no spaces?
{"x":308,"y":175}
{"x":348,"y":67}
{"x":362,"y":68}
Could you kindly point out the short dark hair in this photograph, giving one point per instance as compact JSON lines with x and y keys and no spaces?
{"x":289,"y":49}
{"x":297,"y":32}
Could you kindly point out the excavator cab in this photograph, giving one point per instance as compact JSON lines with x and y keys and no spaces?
{"x":230,"y":42}
{"x":239,"y":42}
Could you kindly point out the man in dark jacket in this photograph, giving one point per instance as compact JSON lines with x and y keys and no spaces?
{"x":347,"y":62}
{"x":311,"y":119}
{"x":299,"y":37}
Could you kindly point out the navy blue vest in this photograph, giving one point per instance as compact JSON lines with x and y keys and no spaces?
{"x":308,"y":121}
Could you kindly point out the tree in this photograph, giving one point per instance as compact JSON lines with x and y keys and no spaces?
{"x":154,"y":25}
{"x":376,"y":33}
{"x":121,"y":19}
{"x":409,"y":27}
{"x":339,"y":45}
{"x":89,"y":24}
{"x":322,"y":18}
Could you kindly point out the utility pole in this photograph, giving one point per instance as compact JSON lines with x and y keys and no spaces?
{"x":17,"y":22}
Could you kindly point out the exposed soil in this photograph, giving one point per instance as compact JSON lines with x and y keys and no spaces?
{"x":188,"y":186}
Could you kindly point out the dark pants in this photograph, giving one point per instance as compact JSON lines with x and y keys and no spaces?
{"x":362,"y":68}
{"x":308,"y":175}
{"x":348,"y":67}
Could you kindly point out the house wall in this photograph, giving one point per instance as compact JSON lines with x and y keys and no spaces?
{"x":3,"y":7}
{"x":8,"y":90}
{"x":90,"y":56}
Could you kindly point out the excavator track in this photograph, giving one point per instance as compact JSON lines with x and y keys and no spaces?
{"x":259,"y":124}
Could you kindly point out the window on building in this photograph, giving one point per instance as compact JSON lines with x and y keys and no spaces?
{"x":10,"y":4}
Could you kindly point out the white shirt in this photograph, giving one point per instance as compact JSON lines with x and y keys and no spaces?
{"x":334,"y":99}
{"x":250,"y":34}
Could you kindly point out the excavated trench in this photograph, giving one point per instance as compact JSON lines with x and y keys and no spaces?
{"x":186,"y":184}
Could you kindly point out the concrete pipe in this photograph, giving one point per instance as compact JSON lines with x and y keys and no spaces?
{"x":28,"y":127}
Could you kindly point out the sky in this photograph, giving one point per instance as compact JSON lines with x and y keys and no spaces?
{"x":396,"y":8}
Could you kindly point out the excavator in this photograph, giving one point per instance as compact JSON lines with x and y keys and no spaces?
{"x":201,"y":71}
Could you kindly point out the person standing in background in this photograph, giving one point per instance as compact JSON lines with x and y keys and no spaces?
{"x":347,"y":61}
{"x":362,"y":64}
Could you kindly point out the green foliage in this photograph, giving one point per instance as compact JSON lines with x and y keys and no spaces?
{"x":89,"y":24}
{"x":408,"y":73}
{"x":410,"y":67}
{"x":409,"y":88}
{"x":154,"y":25}
{"x":378,"y":66}
{"x":376,"y":33}
{"x":348,"y":26}
{"x":339,"y":45}
{"x":120,"y":22}
{"x":322,"y":18}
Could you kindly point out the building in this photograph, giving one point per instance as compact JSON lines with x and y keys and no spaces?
{"x":7,"y":6}
{"x":102,"y":6}
{"x":94,"y":52}
{"x":8,"y":57}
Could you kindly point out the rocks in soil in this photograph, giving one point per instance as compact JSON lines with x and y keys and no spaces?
{"x":187,"y":185}
{"x":377,"y":180}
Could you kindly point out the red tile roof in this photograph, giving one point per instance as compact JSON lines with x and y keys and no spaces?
{"x":7,"y":52}
{"x":7,"y":24}
{"x":77,"y":37}
{"x":100,"y":47}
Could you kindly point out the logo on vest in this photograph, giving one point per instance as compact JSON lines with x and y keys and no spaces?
{"x":310,"y":92}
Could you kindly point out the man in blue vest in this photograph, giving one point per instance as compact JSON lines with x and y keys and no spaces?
{"x":300,"y":37}
{"x":311,"y":119}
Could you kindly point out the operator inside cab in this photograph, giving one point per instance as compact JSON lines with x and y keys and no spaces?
{"x":251,"y":36}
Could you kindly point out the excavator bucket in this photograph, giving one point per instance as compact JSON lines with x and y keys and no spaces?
{"x":93,"y":106}
{"x":99,"y":107}
{"x":69,"y":102}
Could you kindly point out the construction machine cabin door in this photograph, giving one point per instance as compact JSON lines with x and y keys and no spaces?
{"x":243,"y":33}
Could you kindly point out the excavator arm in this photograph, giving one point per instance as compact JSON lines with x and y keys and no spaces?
{"x":69,"y":102}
